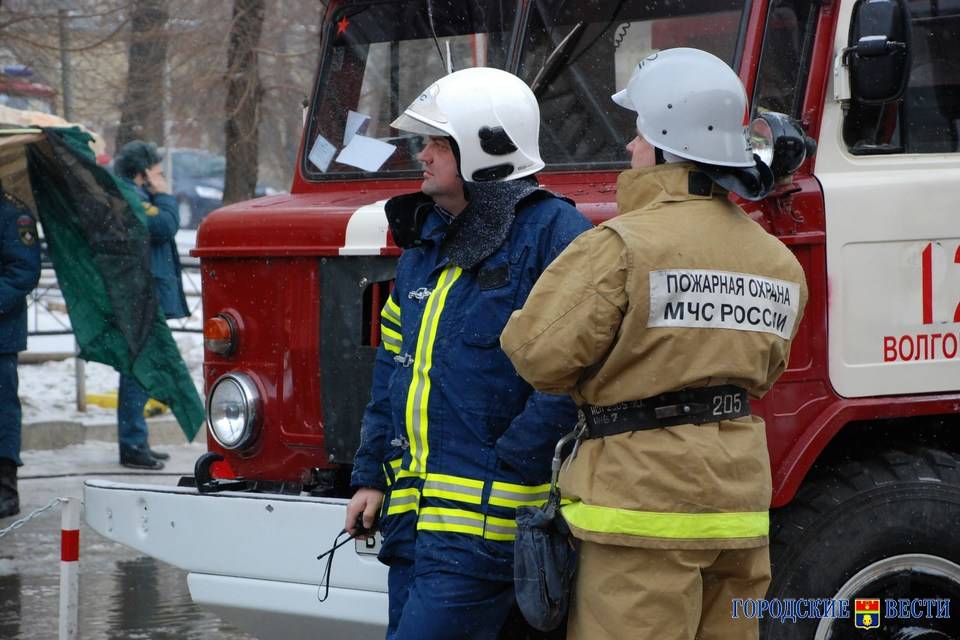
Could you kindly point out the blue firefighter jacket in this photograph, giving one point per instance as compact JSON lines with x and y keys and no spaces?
{"x":20,"y":261}
{"x":163,"y":222}
{"x":452,"y":433}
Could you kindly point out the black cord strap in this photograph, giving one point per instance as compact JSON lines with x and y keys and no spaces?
{"x":325,"y":580}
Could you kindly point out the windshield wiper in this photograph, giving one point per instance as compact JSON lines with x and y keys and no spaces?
{"x":560,"y":53}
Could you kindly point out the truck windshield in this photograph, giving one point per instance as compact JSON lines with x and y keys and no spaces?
{"x":379,"y":56}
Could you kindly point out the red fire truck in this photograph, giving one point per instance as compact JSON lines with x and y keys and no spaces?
{"x":862,"y":427}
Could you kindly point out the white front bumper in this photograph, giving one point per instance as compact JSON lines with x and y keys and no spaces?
{"x":251,"y":557}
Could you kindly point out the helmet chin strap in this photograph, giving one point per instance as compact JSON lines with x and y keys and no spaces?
{"x":665,"y":157}
{"x":752,"y":183}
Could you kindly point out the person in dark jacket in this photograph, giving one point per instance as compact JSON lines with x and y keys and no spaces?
{"x":19,"y":274}
{"x":138,"y":163}
{"x":453,"y":440}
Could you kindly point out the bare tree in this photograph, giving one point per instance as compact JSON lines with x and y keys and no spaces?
{"x":194,"y":94}
{"x":244,"y":96}
{"x":142,"y":111}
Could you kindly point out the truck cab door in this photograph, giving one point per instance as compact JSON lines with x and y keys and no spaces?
{"x":890,"y":173}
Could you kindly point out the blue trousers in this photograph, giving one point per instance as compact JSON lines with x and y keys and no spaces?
{"x":442,"y":605}
{"x":131,"y":426}
{"x":10,"y":415}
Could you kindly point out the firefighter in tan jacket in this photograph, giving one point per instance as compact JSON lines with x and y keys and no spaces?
{"x":662,"y":323}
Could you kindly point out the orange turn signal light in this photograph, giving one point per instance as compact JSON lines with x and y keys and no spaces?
{"x":220,"y":335}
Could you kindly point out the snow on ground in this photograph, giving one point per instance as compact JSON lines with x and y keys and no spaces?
{"x":48,"y":390}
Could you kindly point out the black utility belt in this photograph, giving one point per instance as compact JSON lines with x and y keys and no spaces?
{"x":689,"y":406}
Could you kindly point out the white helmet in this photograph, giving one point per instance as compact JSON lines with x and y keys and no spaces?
{"x":692,"y":104}
{"x":492,"y":115}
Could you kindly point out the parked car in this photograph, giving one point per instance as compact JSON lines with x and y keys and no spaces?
{"x":197,"y":177}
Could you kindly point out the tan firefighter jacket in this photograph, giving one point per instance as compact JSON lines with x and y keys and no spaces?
{"x":681,"y":290}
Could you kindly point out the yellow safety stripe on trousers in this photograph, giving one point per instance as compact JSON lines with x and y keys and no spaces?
{"x":439,"y":485}
{"x":391,"y":311}
{"x":392,"y":341}
{"x":695,"y":526}
{"x":418,"y":395}
{"x":403,"y":500}
{"x":506,"y":494}
{"x":450,"y":520}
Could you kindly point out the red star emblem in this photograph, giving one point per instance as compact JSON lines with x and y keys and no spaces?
{"x":342,"y":25}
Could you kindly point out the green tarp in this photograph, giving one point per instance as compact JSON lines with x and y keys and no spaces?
{"x":95,"y":228}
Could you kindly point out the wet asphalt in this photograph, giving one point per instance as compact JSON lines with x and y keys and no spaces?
{"x":123,"y":594}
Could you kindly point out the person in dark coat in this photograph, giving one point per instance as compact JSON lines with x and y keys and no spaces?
{"x":138,"y":163}
{"x":453,"y":440}
{"x":19,"y":274}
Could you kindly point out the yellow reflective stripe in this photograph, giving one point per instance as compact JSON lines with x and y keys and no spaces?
{"x":470,"y":483}
{"x":406,"y":473}
{"x":394,"y":465}
{"x":392,"y":341}
{"x":386,"y":316}
{"x":500,"y":529}
{"x":667,"y":525}
{"x":439,"y":485}
{"x":506,"y":494}
{"x":403,"y":500}
{"x":391,"y":310}
{"x":450,"y":520}
{"x":419,"y":394}
{"x":392,"y":348}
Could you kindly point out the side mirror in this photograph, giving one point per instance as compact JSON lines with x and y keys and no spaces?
{"x":878,"y":53}
{"x":780,"y":142}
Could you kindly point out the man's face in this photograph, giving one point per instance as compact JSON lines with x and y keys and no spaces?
{"x":440,"y":175}
{"x":642,"y":153}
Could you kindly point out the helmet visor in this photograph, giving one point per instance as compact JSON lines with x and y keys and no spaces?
{"x":623,"y":99}
{"x":407,"y":122}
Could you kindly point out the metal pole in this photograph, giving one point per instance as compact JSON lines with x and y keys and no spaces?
{"x":66,"y":90}
{"x":80,"y":374}
{"x":69,"y":567}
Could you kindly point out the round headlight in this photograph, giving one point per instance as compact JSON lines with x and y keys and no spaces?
{"x":780,"y":142}
{"x":233,"y":410}
{"x":761,"y":139}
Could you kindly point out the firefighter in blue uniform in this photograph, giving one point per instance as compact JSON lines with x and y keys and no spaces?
{"x":453,"y":437}
{"x":20,"y":257}
{"x":138,"y":163}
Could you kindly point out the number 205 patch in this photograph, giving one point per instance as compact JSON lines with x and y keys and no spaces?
{"x":727,"y":403}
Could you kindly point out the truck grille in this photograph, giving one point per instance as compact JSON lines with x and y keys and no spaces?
{"x":353,"y":290}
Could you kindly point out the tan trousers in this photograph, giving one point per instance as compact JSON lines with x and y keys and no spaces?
{"x":655,"y":594}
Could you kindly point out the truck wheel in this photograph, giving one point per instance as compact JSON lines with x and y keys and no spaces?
{"x":884,"y":527}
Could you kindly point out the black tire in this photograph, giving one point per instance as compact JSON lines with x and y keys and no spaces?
{"x":896,"y":512}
